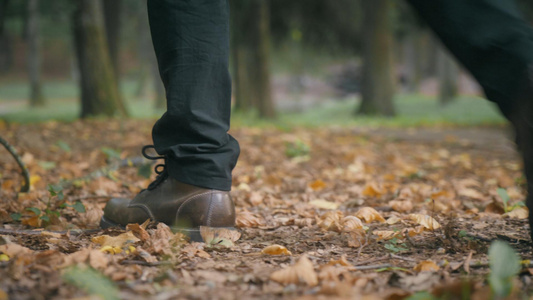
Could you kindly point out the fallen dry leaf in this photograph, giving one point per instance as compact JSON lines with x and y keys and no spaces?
{"x":331,"y":221}
{"x":247,"y":219}
{"x":301,"y":272}
{"x":369,"y":215}
{"x":341,"y":261}
{"x":352,"y":223}
{"x":323,"y":204}
{"x":426,"y":265}
{"x":372,"y":190}
{"x":276,"y":250}
{"x":317,"y":185}
{"x":517,"y":213}
{"x":139,"y":230}
{"x":119,"y":241}
{"x":386,"y":234}
{"x":401,"y":205}
{"x":425,"y":220}
{"x":224,"y":237}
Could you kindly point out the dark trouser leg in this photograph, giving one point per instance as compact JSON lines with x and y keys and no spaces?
{"x":496,"y":45}
{"x":191,"y":41}
{"x":488,"y":37}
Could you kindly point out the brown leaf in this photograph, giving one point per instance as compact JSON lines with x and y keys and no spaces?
{"x":323,"y":204}
{"x":118,"y":241}
{"x":517,"y":213}
{"x":426,"y":265}
{"x":301,"y":272}
{"x":341,"y":261}
{"x":276,"y":250}
{"x":247,"y":219}
{"x":352,"y":223}
{"x":331,"y":221}
{"x":357,"y":238}
{"x":386,"y":234}
{"x":213,"y":236}
{"x":369,"y":215}
{"x":401,"y":205}
{"x":139,"y":230}
{"x":372,"y":190}
{"x":425,"y":220}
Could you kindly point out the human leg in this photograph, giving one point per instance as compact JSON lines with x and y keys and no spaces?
{"x":191,"y":41}
{"x":495,"y":44}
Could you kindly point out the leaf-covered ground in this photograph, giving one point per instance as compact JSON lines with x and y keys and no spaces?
{"x":335,"y":212}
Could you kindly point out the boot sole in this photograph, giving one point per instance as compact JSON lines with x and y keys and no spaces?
{"x":192,"y":233}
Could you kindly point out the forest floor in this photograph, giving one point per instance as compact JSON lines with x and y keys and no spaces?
{"x":322,"y":213}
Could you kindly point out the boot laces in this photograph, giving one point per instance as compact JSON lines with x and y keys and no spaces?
{"x":160,"y":169}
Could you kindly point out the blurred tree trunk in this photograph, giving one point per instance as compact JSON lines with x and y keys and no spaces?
{"x":378,"y":76}
{"x":144,"y":48}
{"x":112,"y":21}
{"x":251,"y":56}
{"x":99,"y":92}
{"x":448,"y":72}
{"x":34,"y":54}
{"x":261,"y":57}
{"x":5,"y":42}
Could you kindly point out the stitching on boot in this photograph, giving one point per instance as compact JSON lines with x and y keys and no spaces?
{"x":145,"y":208}
{"x":190,"y":199}
{"x":210,"y":209}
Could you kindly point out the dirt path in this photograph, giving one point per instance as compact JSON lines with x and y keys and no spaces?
{"x":301,"y":189}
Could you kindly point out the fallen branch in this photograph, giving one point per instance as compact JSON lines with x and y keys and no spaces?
{"x":24,"y":171}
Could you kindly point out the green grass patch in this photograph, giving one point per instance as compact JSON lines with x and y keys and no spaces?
{"x":412,"y":110}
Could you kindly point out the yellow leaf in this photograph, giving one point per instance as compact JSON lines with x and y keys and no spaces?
{"x":276,"y":250}
{"x":323,"y":204}
{"x":224,"y":237}
{"x":425,"y":220}
{"x":301,"y":272}
{"x":517,"y":213}
{"x":317,"y":185}
{"x":372,"y":190}
{"x":118,"y":241}
{"x":34,"y":179}
{"x":426,"y":265}
{"x":368,"y":214}
{"x":111,"y":250}
{"x":4,"y":257}
{"x":247,"y":219}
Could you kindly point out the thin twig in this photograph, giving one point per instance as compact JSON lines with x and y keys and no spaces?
{"x":75,"y":232}
{"x":402,"y":258}
{"x":373,"y":267}
{"x":145,"y":263}
{"x":24,"y":171}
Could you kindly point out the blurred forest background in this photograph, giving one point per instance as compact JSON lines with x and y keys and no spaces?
{"x":313,"y":61}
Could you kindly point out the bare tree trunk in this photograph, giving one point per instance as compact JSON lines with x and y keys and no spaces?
{"x":144,"y":52}
{"x":378,"y":82}
{"x":34,"y":54}
{"x":112,"y":21}
{"x":261,"y":57}
{"x":99,"y":92}
{"x":251,"y":56}
{"x":448,"y":72}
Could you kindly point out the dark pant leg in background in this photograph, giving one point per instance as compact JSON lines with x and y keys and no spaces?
{"x":191,"y":41}
{"x":495,"y":44}
{"x":489,"y":37}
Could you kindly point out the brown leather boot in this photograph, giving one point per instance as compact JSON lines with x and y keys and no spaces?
{"x":183,"y":207}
